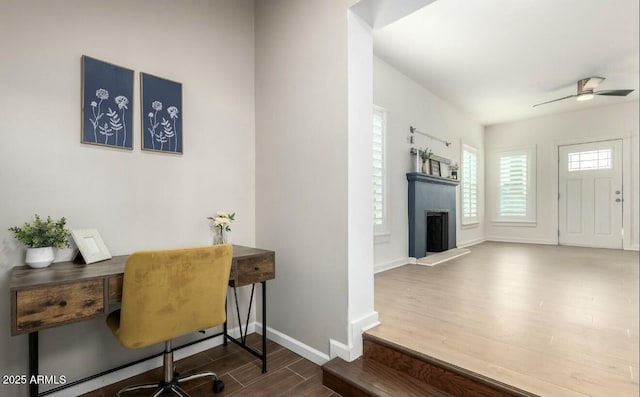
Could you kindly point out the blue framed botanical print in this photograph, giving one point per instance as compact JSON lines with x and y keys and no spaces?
{"x":161,"y":105}
{"x":107,"y":115}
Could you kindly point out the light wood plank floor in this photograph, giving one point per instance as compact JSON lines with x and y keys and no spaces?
{"x":555,"y":321}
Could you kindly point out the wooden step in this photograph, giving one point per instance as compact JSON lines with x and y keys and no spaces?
{"x":444,"y":376}
{"x":369,"y":378}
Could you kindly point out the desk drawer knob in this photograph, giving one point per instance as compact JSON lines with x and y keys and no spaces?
{"x":63,"y":303}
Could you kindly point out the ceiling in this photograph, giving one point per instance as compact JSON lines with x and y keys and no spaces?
{"x":495,"y":59}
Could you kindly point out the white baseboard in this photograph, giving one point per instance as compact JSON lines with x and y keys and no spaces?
{"x":471,"y":243}
{"x":634,"y":247}
{"x":147,"y":365}
{"x":358,"y":327}
{"x":354,"y":349}
{"x":368,"y":322}
{"x":339,"y":349}
{"x":521,"y":240}
{"x":336,"y":349}
{"x":381,"y":267}
{"x":294,"y":345}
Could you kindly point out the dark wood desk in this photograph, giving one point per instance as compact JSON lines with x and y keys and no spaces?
{"x":66,"y":292}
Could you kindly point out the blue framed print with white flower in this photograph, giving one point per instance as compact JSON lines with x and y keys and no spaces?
{"x":107,"y":115}
{"x":161,"y":104}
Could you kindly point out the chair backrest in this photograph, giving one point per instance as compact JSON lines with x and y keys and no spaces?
{"x":168,"y":293}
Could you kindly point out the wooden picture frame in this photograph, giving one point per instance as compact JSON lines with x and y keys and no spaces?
{"x":106,"y":105}
{"x":90,"y":245}
{"x":434,"y":167}
{"x":161,"y":107}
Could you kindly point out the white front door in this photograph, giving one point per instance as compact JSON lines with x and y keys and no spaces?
{"x":590,"y":194}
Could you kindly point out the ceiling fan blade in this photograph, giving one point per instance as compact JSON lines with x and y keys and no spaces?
{"x":555,"y":100}
{"x":614,"y":92}
{"x":591,"y":83}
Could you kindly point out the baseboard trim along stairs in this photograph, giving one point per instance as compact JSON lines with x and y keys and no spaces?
{"x":386,"y":369}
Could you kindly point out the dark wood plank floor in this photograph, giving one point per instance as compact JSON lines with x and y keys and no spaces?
{"x":288,"y":374}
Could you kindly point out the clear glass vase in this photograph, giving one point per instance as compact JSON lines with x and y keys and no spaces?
{"x":219,"y":236}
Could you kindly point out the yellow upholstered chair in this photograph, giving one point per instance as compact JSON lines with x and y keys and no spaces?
{"x":168,"y":293}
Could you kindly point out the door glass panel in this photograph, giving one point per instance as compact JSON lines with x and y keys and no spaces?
{"x":590,"y":160}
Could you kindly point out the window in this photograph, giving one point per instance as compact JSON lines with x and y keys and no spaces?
{"x":379,"y":172}
{"x":469,"y":185}
{"x":516,"y":185}
{"x":590,"y":160}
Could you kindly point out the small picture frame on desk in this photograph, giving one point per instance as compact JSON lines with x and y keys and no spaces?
{"x":90,"y":245}
{"x":434,"y":167}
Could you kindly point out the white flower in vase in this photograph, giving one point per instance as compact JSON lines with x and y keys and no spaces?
{"x":220,"y":224}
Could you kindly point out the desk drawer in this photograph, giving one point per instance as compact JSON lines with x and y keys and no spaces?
{"x":253,"y":270}
{"x":48,"y":306}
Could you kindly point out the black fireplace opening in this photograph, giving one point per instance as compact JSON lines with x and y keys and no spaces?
{"x":437,"y":230}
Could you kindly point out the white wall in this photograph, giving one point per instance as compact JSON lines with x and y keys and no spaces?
{"x":607,"y":122}
{"x":301,"y":166}
{"x":361,"y":314}
{"x":209,"y":48}
{"x":410,"y":104}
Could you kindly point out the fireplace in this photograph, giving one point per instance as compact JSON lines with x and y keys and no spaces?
{"x":431,"y":194}
{"x":437,"y":230}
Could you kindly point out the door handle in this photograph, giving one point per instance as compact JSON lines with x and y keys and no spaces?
{"x":618,"y":200}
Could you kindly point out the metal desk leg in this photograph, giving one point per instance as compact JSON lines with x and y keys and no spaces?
{"x":225,"y":330}
{"x":264,"y":327}
{"x":242,"y":341}
{"x":33,"y":363}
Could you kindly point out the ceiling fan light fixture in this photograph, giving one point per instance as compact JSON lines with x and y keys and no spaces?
{"x":584,"y":97}
{"x":586,"y":91}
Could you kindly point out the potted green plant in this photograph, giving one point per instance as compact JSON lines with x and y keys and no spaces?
{"x":41,"y":237}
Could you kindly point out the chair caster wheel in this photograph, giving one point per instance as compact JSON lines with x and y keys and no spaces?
{"x":218,"y":386}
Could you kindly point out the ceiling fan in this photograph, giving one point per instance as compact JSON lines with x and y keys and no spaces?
{"x":586,"y":91}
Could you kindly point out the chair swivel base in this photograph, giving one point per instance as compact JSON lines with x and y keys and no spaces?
{"x":174,"y":385}
{"x":171,"y":381}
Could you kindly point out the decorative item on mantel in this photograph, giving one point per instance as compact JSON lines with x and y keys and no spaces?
{"x":453,"y":169}
{"x":425,"y":155}
{"x":220,"y":224}
{"x":41,"y":237}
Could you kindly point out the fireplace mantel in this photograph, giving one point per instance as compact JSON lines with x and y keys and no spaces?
{"x":428,"y":193}
{"x":420,"y":177}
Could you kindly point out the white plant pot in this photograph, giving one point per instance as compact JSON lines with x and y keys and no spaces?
{"x":64,"y":254}
{"x":39,"y":257}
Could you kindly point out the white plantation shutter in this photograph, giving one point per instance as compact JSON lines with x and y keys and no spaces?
{"x":469,"y":185}
{"x":513,"y":185}
{"x":516,"y":185}
{"x":379,"y":126}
